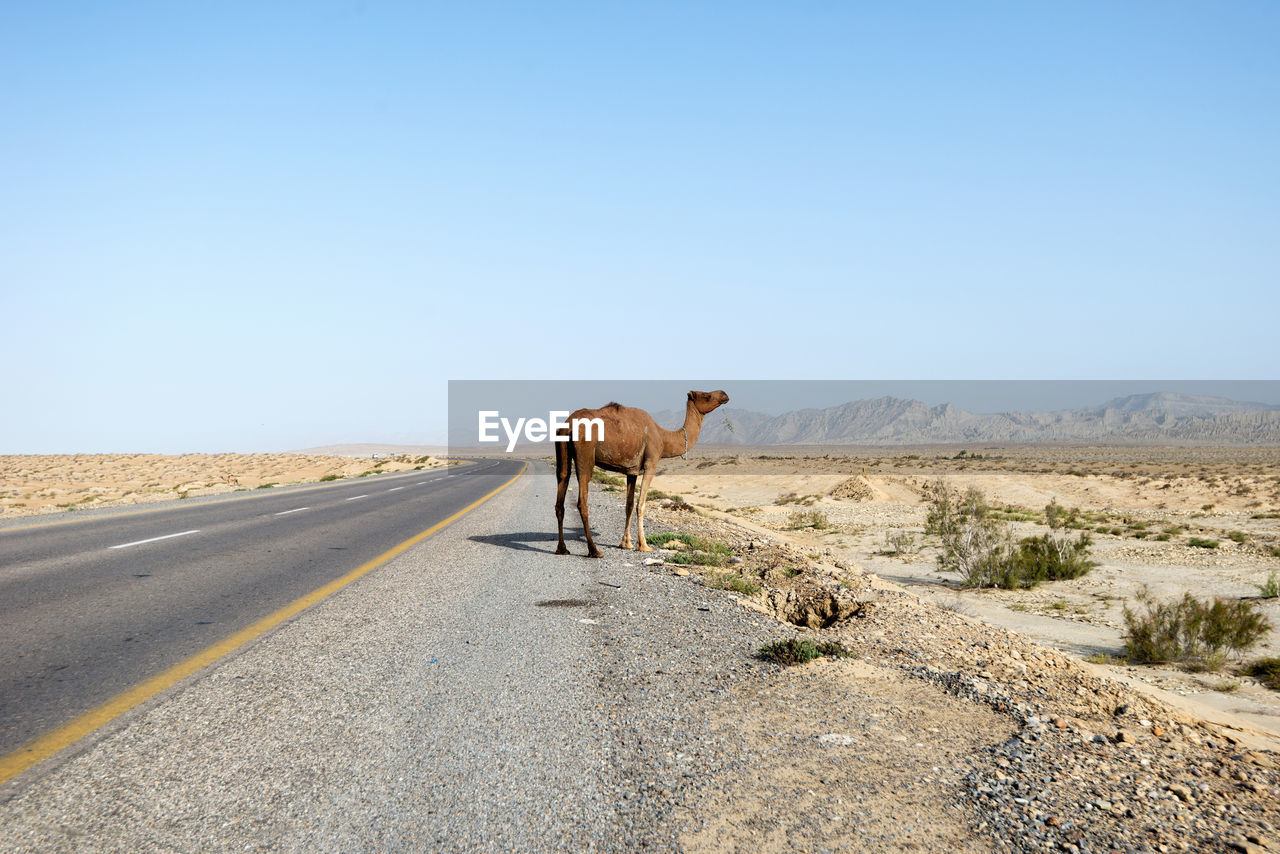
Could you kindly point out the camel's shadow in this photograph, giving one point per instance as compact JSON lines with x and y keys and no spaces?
{"x":522,"y":541}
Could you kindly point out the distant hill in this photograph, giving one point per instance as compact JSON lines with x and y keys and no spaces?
{"x":1159,"y":418}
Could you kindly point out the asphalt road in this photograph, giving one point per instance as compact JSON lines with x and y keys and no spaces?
{"x":477,"y":692}
{"x":93,"y":606}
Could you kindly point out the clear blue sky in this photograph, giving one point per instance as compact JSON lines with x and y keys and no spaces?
{"x":266,"y":226}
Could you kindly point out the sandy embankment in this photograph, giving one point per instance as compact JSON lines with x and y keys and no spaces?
{"x":31,"y":485}
{"x":1150,"y":505}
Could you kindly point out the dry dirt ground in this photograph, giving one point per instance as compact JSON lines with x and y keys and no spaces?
{"x":1147,"y":506}
{"x":942,"y":732}
{"x":948,"y":729}
{"x":68,"y":482}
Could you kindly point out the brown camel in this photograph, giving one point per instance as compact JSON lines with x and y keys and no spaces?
{"x":632,"y":443}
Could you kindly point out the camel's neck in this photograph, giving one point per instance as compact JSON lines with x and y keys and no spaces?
{"x":674,"y":441}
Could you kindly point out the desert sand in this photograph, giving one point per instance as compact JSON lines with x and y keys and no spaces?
{"x":31,"y":485}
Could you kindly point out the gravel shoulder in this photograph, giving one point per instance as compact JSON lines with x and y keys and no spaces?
{"x":480,"y":693}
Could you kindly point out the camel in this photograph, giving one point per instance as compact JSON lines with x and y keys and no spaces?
{"x":632,"y":443}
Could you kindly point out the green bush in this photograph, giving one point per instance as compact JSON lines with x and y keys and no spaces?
{"x":898,"y":543}
{"x":1266,"y":670}
{"x":1191,"y":631}
{"x":1050,"y":558}
{"x":800,"y":650}
{"x":699,"y":551}
{"x":733,"y":581}
{"x":599,"y":476}
{"x":330,"y":477}
{"x":981,"y":550}
{"x":1271,"y":589}
{"x":1202,"y":543}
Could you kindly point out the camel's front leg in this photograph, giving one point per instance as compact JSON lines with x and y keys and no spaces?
{"x":644,"y":494}
{"x":631,"y":499}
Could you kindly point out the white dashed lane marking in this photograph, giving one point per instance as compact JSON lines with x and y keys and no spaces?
{"x":154,"y":539}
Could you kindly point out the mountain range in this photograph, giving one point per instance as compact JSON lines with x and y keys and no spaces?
{"x":1158,"y":418}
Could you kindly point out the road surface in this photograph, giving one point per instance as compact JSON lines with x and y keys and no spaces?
{"x":90,"y":607}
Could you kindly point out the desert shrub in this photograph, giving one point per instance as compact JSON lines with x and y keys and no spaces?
{"x":834,"y":649}
{"x":330,"y":477}
{"x":1191,"y":631}
{"x":793,"y":498}
{"x":1201,"y":543}
{"x":1050,"y":557}
{"x":264,"y":486}
{"x":1267,"y":671}
{"x":1010,"y":513}
{"x":733,"y":581}
{"x":981,"y":550}
{"x":603,"y":477}
{"x":898,"y":543}
{"x":1237,"y":536}
{"x":974,"y":545}
{"x":800,"y":650}
{"x":677,"y":501}
{"x":697,"y":551}
{"x":697,"y":543}
{"x":1271,"y":589}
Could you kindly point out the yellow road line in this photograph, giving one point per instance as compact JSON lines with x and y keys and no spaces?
{"x":69,"y":733}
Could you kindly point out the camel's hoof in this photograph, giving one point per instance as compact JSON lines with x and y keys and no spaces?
{"x":645,"y":548}
{"x":561,"y":550}
{"x":594,"y":553}
{"x":626,"y":544}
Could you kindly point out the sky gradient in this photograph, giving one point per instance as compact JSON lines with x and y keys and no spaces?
{"x":259,"y":227}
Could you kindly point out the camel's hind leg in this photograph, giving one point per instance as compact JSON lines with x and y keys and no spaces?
{"x":631,"y":500}
{"x":584,"y":483}
{"x":564,"y":468}
{"x":642,"y":546}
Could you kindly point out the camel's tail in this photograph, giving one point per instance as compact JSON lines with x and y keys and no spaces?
{"x":564,"y":456}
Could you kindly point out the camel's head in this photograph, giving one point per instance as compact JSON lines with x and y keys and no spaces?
{"x":705,"y":401}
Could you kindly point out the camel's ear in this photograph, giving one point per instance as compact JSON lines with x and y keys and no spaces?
{"x":691,"y":394}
